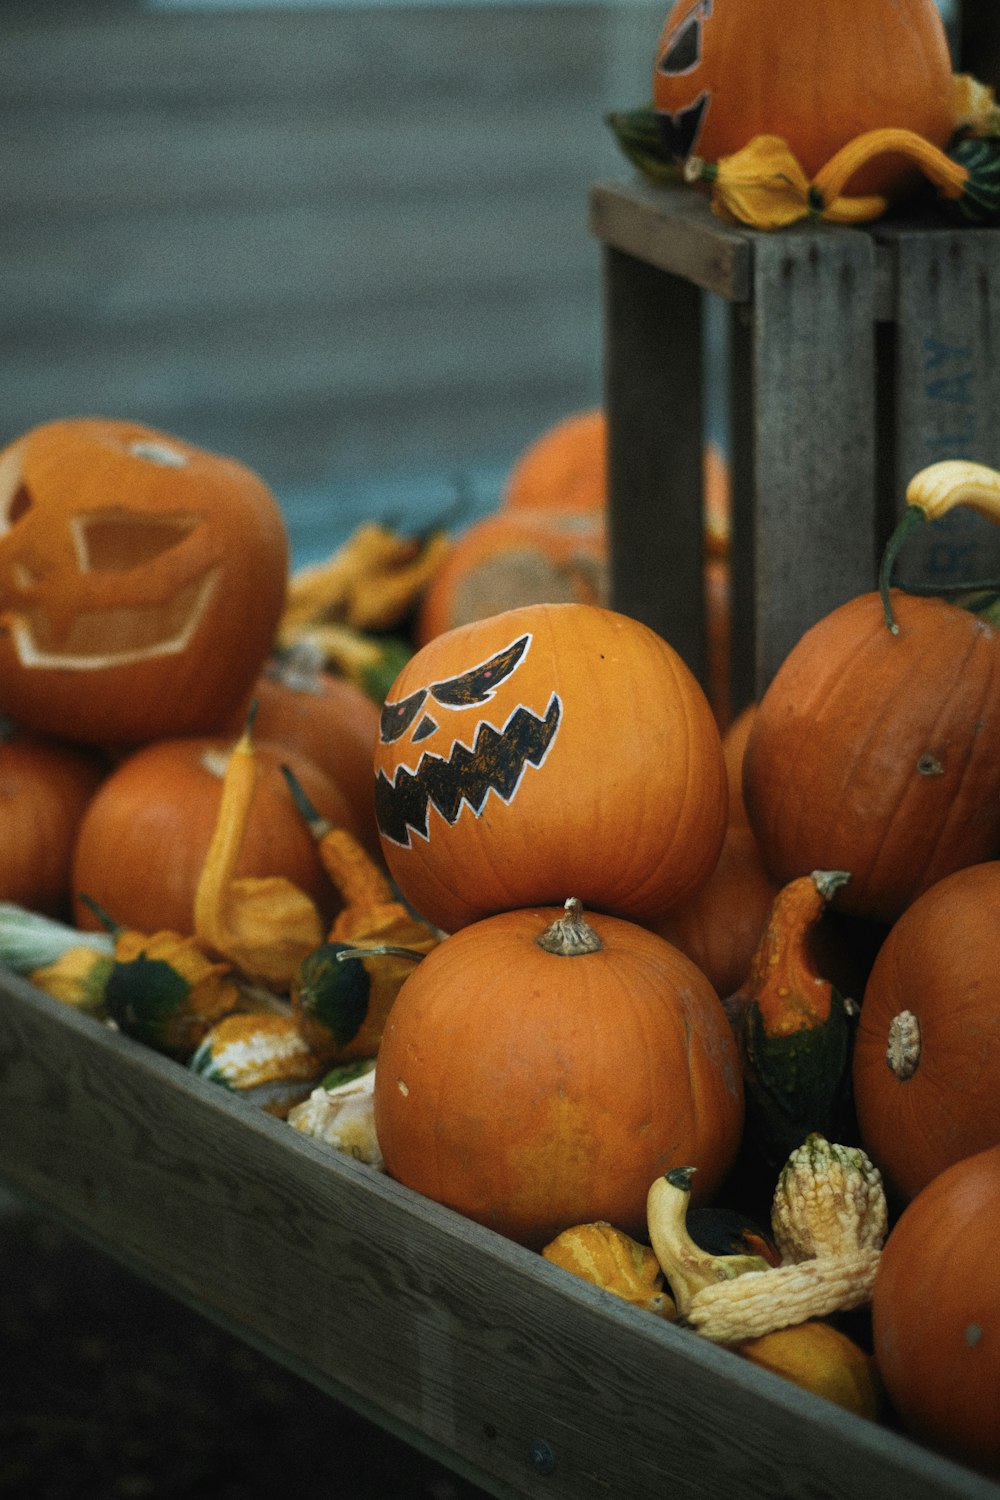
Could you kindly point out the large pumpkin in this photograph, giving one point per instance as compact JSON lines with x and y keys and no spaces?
{"x":534,"y":1081}
{"x":879,"y":753}
{"x":816,"y":74}
{"x":143,"y":839}
{"x":554,"y":746}
{"x":927,"y":1052}
{"x":936,"y":1313}
{"x":141,"y":582}
{"x":45,"y":787}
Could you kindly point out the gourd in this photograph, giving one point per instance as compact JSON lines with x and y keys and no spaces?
{"x":340,"y":1112}
{"x":142,"y":580}
{"x":820,"y":1358}
{"x":513,"y":763}
{"x":876,"y":747}
{"x":539,"y":1068}
{"x":144,"y":837}
{"x":830,"y":1237}
{"x":328,"y":719}
{"x":795,"y":1030}
{"x":609,"y":1258}
{"x":936,"y":1313}
{"x":815,"y":75}
{"x":927,"y":1054}
{"x":45,"y":787}
{"x":263,"y":1058}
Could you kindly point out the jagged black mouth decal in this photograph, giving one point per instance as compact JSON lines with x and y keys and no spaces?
{"x":495,"y":763}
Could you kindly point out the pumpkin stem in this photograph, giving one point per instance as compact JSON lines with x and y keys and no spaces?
{"x":910,"y":520}
{"x":902,"y":1051}
{"x":318,"y":826}
{"x":380,"y":950}
{"x":570,"y":935}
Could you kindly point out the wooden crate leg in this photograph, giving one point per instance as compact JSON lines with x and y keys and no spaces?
{"x":653,"y":364}
{"x":807,"y":418}
{"x":947,"y":379}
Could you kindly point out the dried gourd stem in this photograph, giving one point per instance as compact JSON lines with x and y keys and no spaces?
{"x":902,"y":1053}
{"x":948,"y":176}
{"x":380,"y":950}
{"x":570,"y":935}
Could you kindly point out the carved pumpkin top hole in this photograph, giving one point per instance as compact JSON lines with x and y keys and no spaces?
{"x":115,"y":542}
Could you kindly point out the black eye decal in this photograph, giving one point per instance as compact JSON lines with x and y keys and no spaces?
{"x":426,"y":727}
{"x":396,"y":718}
{"x":479,"y":684}
{"x":684,"y":52}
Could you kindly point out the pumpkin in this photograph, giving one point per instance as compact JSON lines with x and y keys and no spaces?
{"x":553,"y":744}
{"x":877,"y":751}
{"x":927,"y":1054}
{"x":330,"y":720}
{"x":142,"y":581}
{"x":516,"y":558}
{"x":564,"y":469}
{"x":815,"y":75}
{"x":936,"y":1313}
{"x":143,"y":840}
{"x":539,"y":1068}
{"x":822,"y":1359}
{"x":45,"y":787}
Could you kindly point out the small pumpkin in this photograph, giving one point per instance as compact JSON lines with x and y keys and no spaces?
{"x":144,"y":837}
{"x":514,"y":758}
{"x":815,"y":75}
{"x":822,"y":1359}
{"x":538,"y":1068}
{"x":142,"y":581}
{"x":45,"y":787}
{"x":927,"y":1053}
{"x":564,"y":469}
{"x":936,"y":1313}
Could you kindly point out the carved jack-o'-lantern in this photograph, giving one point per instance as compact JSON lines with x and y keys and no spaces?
{"x":141,"y":582}
{"x":816,"y":74}
{"x":551,"y":748}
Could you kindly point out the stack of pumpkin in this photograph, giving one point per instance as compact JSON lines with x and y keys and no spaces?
{"x":552,"y":795}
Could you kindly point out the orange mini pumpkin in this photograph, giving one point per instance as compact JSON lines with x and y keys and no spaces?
{"x":541,"y":1068}
{"x":815,"y":74}
{"x":936,"y":1313}
{"x":45,"y":787}
{"x":144,"y":837}
{"x":927,"y":1051}
{"x":565,"y":469}
{"x":554,"y":745}
{"x":141,"y":582}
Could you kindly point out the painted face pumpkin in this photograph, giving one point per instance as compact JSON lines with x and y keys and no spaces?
{"x":141,"y":582}
{"x":549,"y":751}
{"x":815,"y":74}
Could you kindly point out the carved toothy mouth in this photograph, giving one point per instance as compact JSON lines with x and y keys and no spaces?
{"x":496,"y":763}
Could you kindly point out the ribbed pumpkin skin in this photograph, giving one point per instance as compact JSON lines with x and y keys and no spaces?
{"x":939,"y":962}
{"x":816,"y":74}
{"x":936,"y":1313}
{"x":879,"y":754}
{"x":622,"y":799}
{"x":533,"y":1091}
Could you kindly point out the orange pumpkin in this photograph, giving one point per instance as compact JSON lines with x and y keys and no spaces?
{"x":144,"y":837}
{"x":334,"y":723}
{"x":927,"y":1052}
{"x":879,"y":753}
{"x":554,"y":745}
{"x":816,"y":75}
{"x":141,"y":581}
{"x":514,"y":558}
{"x":565,"y":469}
{"x":533,"y":1080}
{"x":45,"y":787}
{"x":936,"y":1313}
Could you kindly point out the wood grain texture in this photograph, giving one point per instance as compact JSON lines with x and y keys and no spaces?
{"x":469,"y":1346}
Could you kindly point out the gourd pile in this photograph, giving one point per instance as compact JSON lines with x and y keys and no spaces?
{"x":703,"y":1012}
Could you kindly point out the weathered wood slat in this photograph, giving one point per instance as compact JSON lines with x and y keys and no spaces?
{"x":673,"y":229}
{"x":524,"y":1379}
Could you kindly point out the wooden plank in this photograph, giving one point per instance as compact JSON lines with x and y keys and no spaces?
{"x":653,"y":399}
{"x":674,"y":229}
{"x":946,"y":378}
{"x":518,"y":1375}
{"x":808,"y":410}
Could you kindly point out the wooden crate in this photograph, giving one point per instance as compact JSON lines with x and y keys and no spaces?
{"x":856,"y":358}
{"x":476,"y":1351}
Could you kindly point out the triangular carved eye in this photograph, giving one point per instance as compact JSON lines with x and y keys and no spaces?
{"x":113,"y":541}
{"x":684,"y":53}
